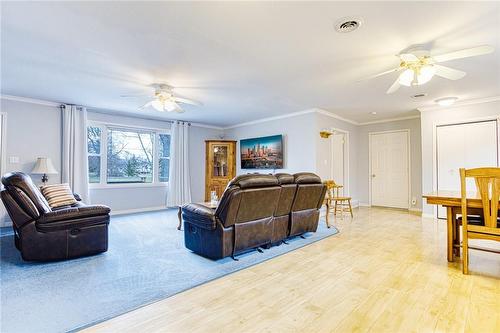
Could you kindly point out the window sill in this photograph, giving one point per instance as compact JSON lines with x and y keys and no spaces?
{"x":125,"y":185}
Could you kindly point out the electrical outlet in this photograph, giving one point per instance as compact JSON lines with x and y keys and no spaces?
{"x":413,"y":201}
{"x":14,"y":159}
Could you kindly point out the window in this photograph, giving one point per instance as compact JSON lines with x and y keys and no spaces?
{"x":94,"y":153}
{"x":164,"y":157}
{"x":126,"y":156}
{"x":130,"y":156}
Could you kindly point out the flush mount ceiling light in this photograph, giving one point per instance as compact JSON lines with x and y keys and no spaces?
{"x":373,"y":112}
{"x":446,"y":101}
{"x":348,"y":24}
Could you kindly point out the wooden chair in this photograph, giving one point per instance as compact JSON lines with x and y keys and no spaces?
{"x":488,"y":187}
{"x":332,"y":196}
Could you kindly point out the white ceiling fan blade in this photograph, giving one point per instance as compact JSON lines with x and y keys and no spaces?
{"x":186,"y":101}
{"x":380,"y":74}
{"x":395,"y":86}
{"x":139,"y":95}
{"x":465,"y":53}
{"x":145,"y":106}
{"x":408,"y":57}
{"x":449,"y":73}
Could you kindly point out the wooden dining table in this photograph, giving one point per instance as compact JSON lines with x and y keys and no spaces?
{"x":452,"y":201}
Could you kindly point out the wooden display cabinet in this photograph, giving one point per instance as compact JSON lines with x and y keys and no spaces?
{"x":220,"y":166}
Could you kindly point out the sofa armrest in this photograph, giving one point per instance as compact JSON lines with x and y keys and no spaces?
{"x":72,"y":213}
{"x":199,"y":215}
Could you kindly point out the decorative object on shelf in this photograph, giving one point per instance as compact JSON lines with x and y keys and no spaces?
{"x":220,"y":166}
{"x":262,"y":153}
{"x":325,"y":133}
{"x":44,"y":166}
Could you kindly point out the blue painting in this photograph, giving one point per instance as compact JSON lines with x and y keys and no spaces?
{"x":262,"y":153}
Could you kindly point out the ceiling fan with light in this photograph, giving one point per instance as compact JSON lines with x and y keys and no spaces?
{"x":418,"y":66}
{"x":164,"y":99}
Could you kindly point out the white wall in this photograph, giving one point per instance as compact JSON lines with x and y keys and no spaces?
{"x":324,"y":154}
{"x":429,"y":120}
{"x":34,"y":130}
{"x":299,"y":141}
{"x":415,"y":154}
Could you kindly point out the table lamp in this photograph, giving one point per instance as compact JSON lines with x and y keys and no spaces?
{"x":43,"y":166}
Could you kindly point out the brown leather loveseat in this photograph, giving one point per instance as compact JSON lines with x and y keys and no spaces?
{"x":256,"y":210}
{"x":42,"y":233}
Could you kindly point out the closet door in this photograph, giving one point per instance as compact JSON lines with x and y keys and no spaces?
{"x":469,"y":145}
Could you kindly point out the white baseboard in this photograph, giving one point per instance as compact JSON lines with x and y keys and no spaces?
{"x":137,"y":210}
{"x":364,"y":204}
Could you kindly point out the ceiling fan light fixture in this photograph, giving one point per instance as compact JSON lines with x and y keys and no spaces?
{"x":446,"y":101}
{"x":157,"y":104}
{"x":169,"y":106}
{"x":406,"y":78}
{"x":425,"y":74}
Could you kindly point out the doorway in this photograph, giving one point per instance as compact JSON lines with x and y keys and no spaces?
{"x":389,"y":172}
{"x":340,"y":159}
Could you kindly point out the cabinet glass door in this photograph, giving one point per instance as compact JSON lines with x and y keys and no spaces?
{"x":220,"y":160}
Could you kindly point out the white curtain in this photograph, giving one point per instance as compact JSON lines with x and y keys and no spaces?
{"x":74,"y":150}
{"x":179,"y":185}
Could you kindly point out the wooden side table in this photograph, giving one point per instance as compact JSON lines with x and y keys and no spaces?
{"x":207,"y":204}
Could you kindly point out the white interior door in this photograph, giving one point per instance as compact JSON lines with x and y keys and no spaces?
{"x":469,"y":145}
{"x":338,"y":156}
{"x":389,"y":169}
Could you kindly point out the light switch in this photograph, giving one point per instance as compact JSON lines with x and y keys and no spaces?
{"x":13,"y":159}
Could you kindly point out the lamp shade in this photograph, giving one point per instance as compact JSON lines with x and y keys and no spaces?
{"x":44,"y":166}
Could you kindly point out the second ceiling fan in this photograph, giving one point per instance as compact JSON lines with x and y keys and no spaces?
{"x":418,"y":66}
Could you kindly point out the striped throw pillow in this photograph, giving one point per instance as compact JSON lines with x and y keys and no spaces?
{"x":58,"y":195}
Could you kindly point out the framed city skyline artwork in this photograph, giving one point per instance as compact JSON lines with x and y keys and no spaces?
{"x":262,"y":153}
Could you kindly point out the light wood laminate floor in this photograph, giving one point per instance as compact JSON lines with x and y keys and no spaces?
{"x":385,"y":272}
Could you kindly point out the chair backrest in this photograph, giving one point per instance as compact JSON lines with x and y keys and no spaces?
{"x":310,"y":191}
{"x":248,"y":198}
{"x":488,"y":189}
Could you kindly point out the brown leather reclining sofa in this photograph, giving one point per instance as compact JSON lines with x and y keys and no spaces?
{"x":256,"y":210}
{"x":42,"y":233}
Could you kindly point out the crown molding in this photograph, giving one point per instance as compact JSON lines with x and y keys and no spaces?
{"x":388,"y":120}
{"x":460,"y":103}
{"x":336,"y":116}
{"x":110,"y":112}
{"x":30,"y":100}
{"x":264,"y":120}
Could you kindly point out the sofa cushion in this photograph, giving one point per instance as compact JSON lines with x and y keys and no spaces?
{"x":254,"y":180}
{"x":306,"y":178}
{"x":77,"y":211}
{"x":58,"y":195}
{"x":23,"y":182}
{"x":284,"y":178}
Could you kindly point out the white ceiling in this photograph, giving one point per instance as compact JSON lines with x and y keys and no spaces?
{"x":243,"y":61}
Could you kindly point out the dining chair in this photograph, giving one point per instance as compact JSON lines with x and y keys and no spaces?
{"x":487,"y":226}
{"x":332,"y":196}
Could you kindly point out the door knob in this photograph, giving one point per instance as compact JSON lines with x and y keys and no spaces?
{"x":373,"y":176}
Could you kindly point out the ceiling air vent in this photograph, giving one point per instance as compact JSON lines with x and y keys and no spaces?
{"x":347,"y":24}
{"x":419,"y":95}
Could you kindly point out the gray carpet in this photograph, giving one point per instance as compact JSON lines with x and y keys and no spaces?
{"x":146,"y":262}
